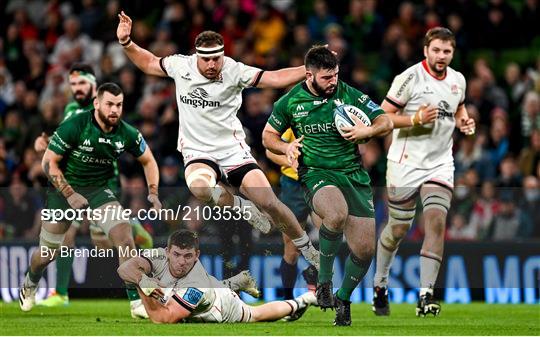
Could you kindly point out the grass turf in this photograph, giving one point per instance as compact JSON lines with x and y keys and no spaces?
{"x":111,"y":317}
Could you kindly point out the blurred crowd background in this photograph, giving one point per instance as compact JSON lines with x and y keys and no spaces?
{"x":497,"y":194}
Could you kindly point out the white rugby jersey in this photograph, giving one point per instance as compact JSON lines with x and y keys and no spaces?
{"x":195,"y":291}
{"x":430,"y":145}
{"x":207,"y":108}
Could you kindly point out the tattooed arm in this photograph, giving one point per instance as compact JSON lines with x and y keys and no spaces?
{"x":56,"y":177}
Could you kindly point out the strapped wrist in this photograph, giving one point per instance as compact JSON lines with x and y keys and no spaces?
{"x":126,"y":43}
{"x":153,"y":189}
{"x":67,"y":191}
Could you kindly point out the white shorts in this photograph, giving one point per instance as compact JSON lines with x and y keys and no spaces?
{"x":227,"y":308}
{"x":227,"y":161}
{"x":403,"y":181}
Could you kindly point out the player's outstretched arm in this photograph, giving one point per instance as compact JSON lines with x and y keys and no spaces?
{"x":282,"y":78}
{"x":50,"y":165}
{"x":151,"y":173}
{"x":142,"y":58}
{"x":132,"y":270}
{"x":171,"y":312}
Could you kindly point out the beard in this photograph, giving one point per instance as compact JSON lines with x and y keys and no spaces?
{"x":322,"y":92}
{"x":436,"y":70}
{"x":108,"y":121}
{"x":83,"y":100}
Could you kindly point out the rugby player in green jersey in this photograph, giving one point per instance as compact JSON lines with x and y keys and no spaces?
{"x":79,"y":163}
{"x":336,"y":186}
{"x":82,"y":84}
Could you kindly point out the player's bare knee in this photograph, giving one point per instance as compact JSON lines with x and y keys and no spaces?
{"x":335,"y":220}
{"x":366,"y":254}
{"x":363,"y":251}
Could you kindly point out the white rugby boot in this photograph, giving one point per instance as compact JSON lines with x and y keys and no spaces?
{"x":27,"y":294}
{"x":137,"y":309}
{"x":245,"y":282}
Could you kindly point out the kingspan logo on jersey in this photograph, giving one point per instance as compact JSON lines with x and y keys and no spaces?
{"x":198,"y":99}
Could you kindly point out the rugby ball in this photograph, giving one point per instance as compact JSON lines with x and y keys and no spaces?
{"x":342,"y":117}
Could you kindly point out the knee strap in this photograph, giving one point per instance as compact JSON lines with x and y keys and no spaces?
{"x":437,"y":199}
{"x":397,"y":215}
{"x":202,"y":174}
{"x":50,"y":240}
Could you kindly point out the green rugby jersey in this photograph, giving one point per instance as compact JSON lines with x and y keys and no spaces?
{"x":313,"y":117}
{"x":89,"y":153}
{"x":74,"y":108}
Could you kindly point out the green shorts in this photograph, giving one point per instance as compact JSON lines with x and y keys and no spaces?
{"x":354,"y":186}
{"x":96,"y":197}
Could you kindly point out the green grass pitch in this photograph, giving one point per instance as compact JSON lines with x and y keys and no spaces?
{"x":111,"y":317}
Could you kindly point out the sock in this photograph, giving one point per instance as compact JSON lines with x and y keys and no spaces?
{"x":33,"y":278}
{"x":294,"y":306}
{"x":289,"y":272}
{"x":301,"y":241}
{"x":429,"y":269}
{"x":237,"y":202}
{"x":63,"y":274}
{"x":132,"y":293}
{"x":355,"y":269}
{"x":329,"y":243}
{"x":384,"y":262}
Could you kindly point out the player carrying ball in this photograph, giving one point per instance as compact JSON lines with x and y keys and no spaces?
{"x":336,"y":186}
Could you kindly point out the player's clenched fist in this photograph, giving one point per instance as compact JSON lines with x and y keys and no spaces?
{"x":154,"y":200}
{"x":149,"y":285}
{"x":425,"y":114}
{"x":41,"y":142}
{"x":124,"y":27}
{"x":467,"y":126}
{"x":77,"y":201}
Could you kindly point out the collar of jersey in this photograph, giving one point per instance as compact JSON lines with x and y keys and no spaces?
{"x":426,"y":68}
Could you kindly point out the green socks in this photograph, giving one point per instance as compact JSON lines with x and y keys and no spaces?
{"x":329,"y":243}
{"x":355,"y":269}
{"x":63,"y":274}
{"x":132,"y":293}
